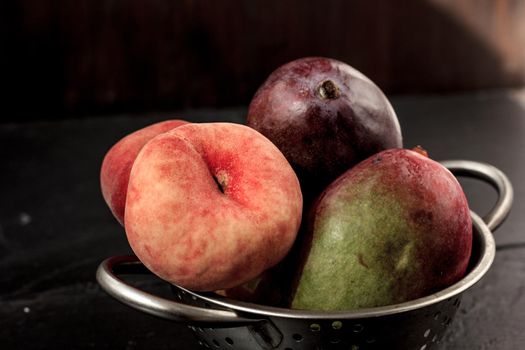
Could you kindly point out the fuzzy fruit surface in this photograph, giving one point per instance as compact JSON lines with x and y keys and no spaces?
{"x":117,"y":163}
{"x":393,"y":228}
{"x":211,"y":206}
{"x":325,"y":117}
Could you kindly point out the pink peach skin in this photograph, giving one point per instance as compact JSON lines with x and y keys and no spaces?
{"x":116,"y":166}
{"x":211,"y":206}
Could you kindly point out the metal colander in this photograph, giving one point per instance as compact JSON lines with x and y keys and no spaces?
{"x":222,"y":323}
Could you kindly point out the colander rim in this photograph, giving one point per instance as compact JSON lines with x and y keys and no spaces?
{"x":482,"y":237}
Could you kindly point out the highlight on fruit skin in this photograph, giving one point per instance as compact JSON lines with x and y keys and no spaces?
{"x":394,"y":228}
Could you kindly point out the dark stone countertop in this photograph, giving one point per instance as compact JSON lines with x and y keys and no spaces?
{"x":55,"y":228}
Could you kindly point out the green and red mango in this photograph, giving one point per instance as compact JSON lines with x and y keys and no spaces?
{"x":394,"y":228}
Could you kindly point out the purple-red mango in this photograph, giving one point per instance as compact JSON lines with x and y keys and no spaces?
{"x":325,"y":117}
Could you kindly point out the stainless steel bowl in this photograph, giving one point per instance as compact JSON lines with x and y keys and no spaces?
{"x":222,"y":323}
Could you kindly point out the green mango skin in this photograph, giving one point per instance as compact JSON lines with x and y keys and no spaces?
{"x":394,"y":228}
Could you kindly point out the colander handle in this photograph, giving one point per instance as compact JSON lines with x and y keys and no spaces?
{"x":109,"y":281}
{"x":494,"y":177}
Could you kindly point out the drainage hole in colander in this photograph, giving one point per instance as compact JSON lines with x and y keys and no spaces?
{"x":423,"y":347}
{"x":434,"y":339}
{"x":457,"y":302}
{"x":229,"y":340}
{"x":357,"y":328}
{"x":436,"y":315}
{"x":203,"y":343}
{"x":216,"y":343}
{"x":315,"y":327}
{"x":297,"y":337}
{"x":427,"y":332}
{"x":446,"y":321}
{"x":335,"y":340}
{"x":337,"y":325}
{"x":354,"y":347}
{"x":370,"y":340}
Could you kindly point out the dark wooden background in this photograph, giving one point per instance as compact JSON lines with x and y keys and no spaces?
{"x":71,"y":58}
